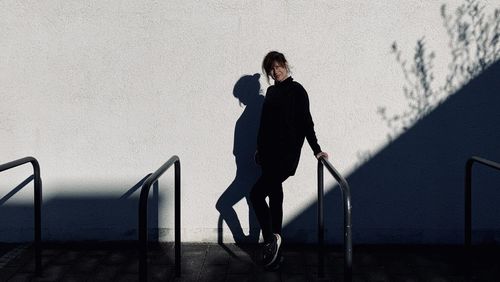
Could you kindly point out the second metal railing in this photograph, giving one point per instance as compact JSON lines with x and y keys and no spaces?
{"x":38,"y":204}
{"x":346,"y":196}
{"x":468,"y":194}
{"x":143,"y":217}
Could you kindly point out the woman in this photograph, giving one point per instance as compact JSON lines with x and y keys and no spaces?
{"x":285,"y":122}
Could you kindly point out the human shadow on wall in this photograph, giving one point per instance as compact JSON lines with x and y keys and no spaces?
{"x":412,"y":190}
{"x":81,"y":216}
{"x":247,"y":91}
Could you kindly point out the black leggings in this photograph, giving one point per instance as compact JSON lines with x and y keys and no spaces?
{"x":270,"y":217}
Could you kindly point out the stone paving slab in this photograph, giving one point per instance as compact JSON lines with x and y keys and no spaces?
{"x":117,"y":261}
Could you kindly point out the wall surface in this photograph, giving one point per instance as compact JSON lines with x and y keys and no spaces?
{"x":104,"y":92}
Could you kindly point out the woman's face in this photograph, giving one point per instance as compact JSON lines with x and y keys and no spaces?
{"x":278,"y":72}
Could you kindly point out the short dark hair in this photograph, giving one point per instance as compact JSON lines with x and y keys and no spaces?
{"x":270,"y":58}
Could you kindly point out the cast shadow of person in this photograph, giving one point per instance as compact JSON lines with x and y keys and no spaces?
{"x":247,"y":91}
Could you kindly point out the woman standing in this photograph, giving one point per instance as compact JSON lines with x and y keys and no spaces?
{"x":285,"y":122}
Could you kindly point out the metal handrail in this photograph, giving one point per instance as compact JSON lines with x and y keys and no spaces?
{"x":38,"y":204}
{"x":346,"y":195}
{"x":468,"y":194}
{"x":143,"y":217}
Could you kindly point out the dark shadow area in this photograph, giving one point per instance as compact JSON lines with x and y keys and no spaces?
{"x":412,"y":191}
{"x":136,"y":187}
{"x":90,"y":261}
{"x":82,"y":217}
{"x":116,"y":261}
{"x":153,"y":233}
{"x":247,"y":91}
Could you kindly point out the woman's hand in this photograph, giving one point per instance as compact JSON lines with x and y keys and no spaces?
{"x":322,"y":155}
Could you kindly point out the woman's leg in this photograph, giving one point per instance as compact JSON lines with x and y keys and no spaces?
{"x":276,"y":206}
{"x":258,"y":197}
{"x":270,"y":217}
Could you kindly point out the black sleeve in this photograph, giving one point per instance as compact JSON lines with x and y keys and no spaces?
{"x":307,"y":124}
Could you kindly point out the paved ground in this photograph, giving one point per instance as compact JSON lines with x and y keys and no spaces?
{"x":117,"y":261}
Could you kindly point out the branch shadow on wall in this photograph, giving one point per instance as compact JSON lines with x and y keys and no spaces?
{"x":247,"y":91}
{"x":412,"y":190}
{"x":81,"y":217}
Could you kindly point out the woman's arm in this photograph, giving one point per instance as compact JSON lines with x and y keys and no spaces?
{"x":307,"y":124}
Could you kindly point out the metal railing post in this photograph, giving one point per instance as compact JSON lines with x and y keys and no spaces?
{"x":143,"y":217}
{"x":37,"y":205}
{"x":468,"y":204}
{"x":143,"y":231}
{"x":38,"y":217}
{"x":321,"y":222}
{"x":346,"y":197}
{"x":468,"y":195}
{"x":177,"y":244}
{"x":347,"y":233}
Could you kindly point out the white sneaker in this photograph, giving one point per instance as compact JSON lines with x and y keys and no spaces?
{"x":271,"y":250}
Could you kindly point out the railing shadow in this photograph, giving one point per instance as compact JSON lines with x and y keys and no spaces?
{"x":16,"y":189}
{"x":153,"y":217}
{"x":84,"y":216}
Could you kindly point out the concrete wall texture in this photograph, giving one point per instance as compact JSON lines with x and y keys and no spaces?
{"x":104,"y":92}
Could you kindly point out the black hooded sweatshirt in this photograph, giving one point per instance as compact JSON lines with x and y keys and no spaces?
{"x":285,"y":122}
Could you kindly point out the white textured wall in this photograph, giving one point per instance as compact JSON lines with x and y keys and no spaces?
{"x":103,"y":92}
